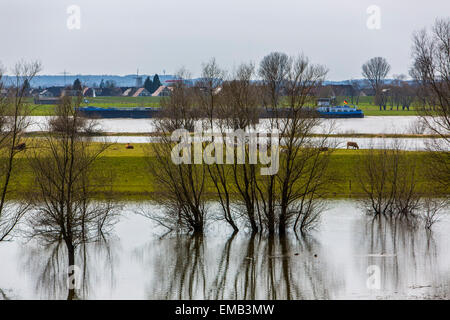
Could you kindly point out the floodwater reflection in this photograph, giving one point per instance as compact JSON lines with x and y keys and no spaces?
{"x":408,"y":257}
{"x":252,"y":267}
{"x":330,"y":263}
{"x":47,"y":269}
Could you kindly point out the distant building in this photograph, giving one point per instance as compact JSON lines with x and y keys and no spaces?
{"x":162,"y":91}
{"x":342,"y":89}
{"x":35,"y":92}
{"x":52,"y":92}
{"x":127,"y":92}
{"x":44,"y":100}
{"x":367,"y":92}
{"x":323,"y":102}
{"x":46,"y":93}
{"x":71,"y":93}
{"x":141,"y":92}
{"x":107,"y":92}
{"x":88,"y":92}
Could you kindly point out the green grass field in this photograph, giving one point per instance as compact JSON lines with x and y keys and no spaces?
{"x":133,"y":182}
{"x":369,"y":109}
{"x":365,"y":103}
{"x":101,"y":102}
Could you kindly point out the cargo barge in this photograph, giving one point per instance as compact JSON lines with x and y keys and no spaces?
{"x":143,"y":113}
{"x":136,"y":113}
{"x":344,"y":111}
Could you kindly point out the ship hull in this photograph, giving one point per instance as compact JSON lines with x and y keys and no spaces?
{"x":144,"y":113}
{"x":118,"y":113}
{"x":341,"y":115}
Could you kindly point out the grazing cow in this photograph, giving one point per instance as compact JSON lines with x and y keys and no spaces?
{"x":20,"y":146}
{"x":322,"y":149}
{"x":352,"y":144}
{"x":129,"y":146}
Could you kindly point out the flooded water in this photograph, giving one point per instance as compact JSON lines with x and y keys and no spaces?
{"x":372,"y":124}
{"x":339,"y":260}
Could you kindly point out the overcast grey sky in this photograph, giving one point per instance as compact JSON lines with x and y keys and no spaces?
{"x":118,"y":36}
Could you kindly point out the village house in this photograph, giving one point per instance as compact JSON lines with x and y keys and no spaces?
{"x":127,"y":92}
{"x":162,"y":91}
{"x":141,"y":92}
{"x":107,"y":92}
{"x":52,"y":92}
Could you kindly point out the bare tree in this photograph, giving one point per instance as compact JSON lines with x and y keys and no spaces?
{"x":209,"y":97}
{"x":273,"y":70}
{"x":14,"y":120}
{"x":303,"y":167}
{"x":389,"y":180}
{"x":356,"y":91}
{"x":66,"y":183}
{"x":407,"y":95}
{"x":432,"y":209}
{"x":208,"y":88}
{"x":431,"y":70}
{"x":395,"y":90}
{"x":182,"y":185}
{"x":240,"y":109}
{"x":375,"y":71}
{"x":289,"y":197}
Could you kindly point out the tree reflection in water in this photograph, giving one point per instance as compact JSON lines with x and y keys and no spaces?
{"x":407,"y":256}
{"x":47,"y":268}
{"x":414,"y":263}
{"x":253,"y":267}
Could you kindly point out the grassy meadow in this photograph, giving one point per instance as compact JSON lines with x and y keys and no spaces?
{"x":101,"y":102}
{"x":370,"y":109}
{"x":133,"y":182}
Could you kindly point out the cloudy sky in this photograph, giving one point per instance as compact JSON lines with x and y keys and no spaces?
{"x":119,"y":36}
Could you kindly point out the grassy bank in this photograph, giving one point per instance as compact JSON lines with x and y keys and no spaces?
{"x":338,"y":135}
{"x":134,"y":183}
{"x":101,"y":102}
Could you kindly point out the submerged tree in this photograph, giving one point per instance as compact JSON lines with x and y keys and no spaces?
{"x":389,"y":179}
{"x":240,"y":110}
{"x":66,"y":183}
{"x":14,"y":120}
{"x":182,"y":186}
{"x":290,"y":197}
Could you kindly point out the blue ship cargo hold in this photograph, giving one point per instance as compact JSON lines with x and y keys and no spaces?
{"x":142,"y":113}
{"x":344,"y":111}
{"x":136,"y":113}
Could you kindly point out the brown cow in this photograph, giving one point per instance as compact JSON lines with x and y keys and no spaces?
{"x":323,"y":149}
{"x":352,"y":144}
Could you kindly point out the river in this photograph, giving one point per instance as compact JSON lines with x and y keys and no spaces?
{"x":371,"y":124}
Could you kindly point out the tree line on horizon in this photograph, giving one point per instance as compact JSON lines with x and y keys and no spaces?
{"x":149,"y":84}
